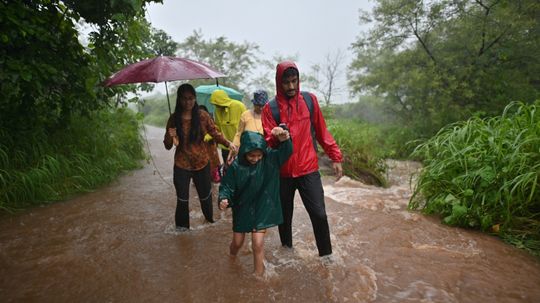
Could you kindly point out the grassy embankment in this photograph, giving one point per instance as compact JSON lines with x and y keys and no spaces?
{"x":40,"y":167}
{"x":484,"y":174}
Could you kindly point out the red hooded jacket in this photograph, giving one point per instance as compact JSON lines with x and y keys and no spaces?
{"x":295,"y":113}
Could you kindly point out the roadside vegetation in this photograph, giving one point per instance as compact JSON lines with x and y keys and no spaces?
{"x":42,"y":167}
{"x":61,"y":131}
{"x":484,"y":174}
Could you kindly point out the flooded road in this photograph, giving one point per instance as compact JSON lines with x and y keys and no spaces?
{"x":118,"y":244}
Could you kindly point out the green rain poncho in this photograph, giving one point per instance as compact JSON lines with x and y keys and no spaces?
{"x":253,"y":190}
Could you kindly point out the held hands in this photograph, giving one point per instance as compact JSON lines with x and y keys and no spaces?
{"x":233,"y":151}
{"x":223,"y":204}
{"x":280,"y":133}
{"x":230,"y":157}
{"x":233,"y":148}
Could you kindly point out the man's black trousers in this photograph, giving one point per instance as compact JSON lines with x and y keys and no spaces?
{"x":312,"y":194}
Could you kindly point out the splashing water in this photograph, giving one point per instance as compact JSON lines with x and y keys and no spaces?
{"x":119,"y":243}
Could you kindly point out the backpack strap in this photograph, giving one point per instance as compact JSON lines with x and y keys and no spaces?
{"x":275,"y":110}
{"x":309,"y":102}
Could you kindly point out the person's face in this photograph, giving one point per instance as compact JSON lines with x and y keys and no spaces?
{"x":257,"y":108}
{"x":254,"y":156}
{"x":187,"y":100}
{"x":289,"y":85}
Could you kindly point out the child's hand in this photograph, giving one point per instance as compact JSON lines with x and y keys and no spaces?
{"x":223,"y":204}
{"x":280,"y":133}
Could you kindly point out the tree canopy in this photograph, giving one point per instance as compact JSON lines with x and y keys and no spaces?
{"x":236,"y":60}
{"x":434,"y":62}
{"x":47,"y":74}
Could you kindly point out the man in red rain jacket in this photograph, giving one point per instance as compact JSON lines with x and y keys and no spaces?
{"x":301,"y":171}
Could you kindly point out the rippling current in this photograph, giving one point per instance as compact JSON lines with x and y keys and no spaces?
{"x":118,"y":244}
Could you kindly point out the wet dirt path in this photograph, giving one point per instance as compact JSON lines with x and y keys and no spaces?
{"x":118,"y":244}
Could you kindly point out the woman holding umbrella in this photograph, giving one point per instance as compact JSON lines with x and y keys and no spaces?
{"x":186,"y":129}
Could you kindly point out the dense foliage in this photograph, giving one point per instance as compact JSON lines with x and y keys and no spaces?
{"x":47,"y":72}
{"x":236,"y":60}
{"x":485,"y":173}
{"x":394,"y":140}
{"x":439,"y":61}
{"x":57,"y":136}
{"x":49,"y":165}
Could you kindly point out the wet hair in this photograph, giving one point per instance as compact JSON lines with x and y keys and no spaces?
{"x":195,"y":129}
{"x":289,"y":72}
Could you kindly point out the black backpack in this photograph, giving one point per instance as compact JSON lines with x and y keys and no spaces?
{"x":309,"y":102}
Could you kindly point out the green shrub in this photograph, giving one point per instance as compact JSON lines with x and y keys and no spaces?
{"x":363,"y":157}
{"x":484,"y":173}
{"x":38,"y":167}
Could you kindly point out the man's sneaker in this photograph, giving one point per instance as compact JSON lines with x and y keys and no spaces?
{"x":182,"y":229}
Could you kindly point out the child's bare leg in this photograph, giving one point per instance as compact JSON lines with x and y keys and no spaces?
{"x":257,"y":244}
{"x":236,"y":243}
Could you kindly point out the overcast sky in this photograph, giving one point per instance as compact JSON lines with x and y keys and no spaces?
{"x":308,"y":28}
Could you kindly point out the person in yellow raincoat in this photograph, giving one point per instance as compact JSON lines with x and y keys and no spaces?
{"x":227,"y":116}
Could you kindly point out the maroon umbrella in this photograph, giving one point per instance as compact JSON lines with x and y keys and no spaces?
{"x":163,"y":69}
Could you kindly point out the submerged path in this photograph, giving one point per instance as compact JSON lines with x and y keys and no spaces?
{"x":118,"y":244}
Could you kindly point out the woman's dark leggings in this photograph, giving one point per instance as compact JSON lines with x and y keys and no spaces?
{"x":312,"y":194}
{"x":201,"y":179}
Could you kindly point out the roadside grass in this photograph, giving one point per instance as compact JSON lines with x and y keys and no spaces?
{"x":484,"y":174}
{"x":363,"y":152}
{"x":39,"y":167}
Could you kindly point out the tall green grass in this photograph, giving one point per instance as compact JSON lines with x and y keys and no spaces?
{"x":484,"y":173}
{"x":362,"y":150}
{"x":39,"y":167}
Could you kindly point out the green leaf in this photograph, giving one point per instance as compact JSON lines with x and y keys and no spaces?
{"x":468,"y":192}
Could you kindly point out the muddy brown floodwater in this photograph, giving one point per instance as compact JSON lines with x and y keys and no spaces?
{"x":118,"y":244}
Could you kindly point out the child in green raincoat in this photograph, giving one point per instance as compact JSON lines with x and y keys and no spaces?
{"x":251,"y":189}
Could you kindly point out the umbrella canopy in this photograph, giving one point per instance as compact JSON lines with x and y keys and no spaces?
{"x":204,"y":92}
{"x":163,"y":69}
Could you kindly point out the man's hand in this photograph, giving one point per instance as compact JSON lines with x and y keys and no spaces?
{"x":223,"y":204}
{"x":338,"y":170}
{"x":280,"y":133}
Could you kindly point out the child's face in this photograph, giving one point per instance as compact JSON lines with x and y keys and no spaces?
{"x":254,"y":156}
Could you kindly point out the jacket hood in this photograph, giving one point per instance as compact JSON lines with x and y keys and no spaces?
{"x":220,"y":98}
{"x":280,"y":69}
{"x":250,"y":141}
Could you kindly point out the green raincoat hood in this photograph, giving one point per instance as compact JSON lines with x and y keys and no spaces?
{"x":250,"y":141}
